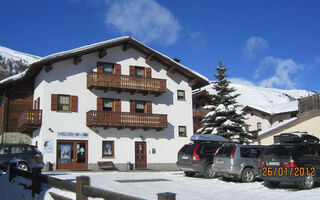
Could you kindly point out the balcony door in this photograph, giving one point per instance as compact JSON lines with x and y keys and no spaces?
{"x":141,"y":155}
{"x":72,"y":154}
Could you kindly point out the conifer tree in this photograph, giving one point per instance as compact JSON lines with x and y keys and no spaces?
{"x":223,"y":118}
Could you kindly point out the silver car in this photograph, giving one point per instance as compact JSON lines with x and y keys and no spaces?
{"x":237,"y":161}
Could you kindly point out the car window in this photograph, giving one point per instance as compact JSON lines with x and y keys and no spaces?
{"x":15,"y":149}
{"x":26,"y":149}
{"x":209,"y":149}
{"x":4,"y":150}
{"x":307,"y":150}
{"x":279,"y":150}
{"x":225,"y":151}
{"x":250,"y":152}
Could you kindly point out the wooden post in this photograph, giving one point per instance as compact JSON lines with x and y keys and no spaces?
{"x":12,"y":172}
{"x":80,"y":181}
{"x":36,"y":182}
{"x":166,"y":196}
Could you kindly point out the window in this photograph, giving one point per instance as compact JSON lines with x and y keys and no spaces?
{"x":107,"y":68}
{"x":181,"y":95}
{"x":140,"y":106}
{"x":182,"y":131}
{"x":107,"y":148}
{"x":259,"y":126}
{"x":246,"y":128}
{"x":107,"y":104}
{"x":139,"y":71}
{"x":63,"y":103}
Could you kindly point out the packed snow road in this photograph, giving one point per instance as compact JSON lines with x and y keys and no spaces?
{"x":148,"y":184}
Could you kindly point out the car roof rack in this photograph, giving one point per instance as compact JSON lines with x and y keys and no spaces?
{"x":208,"y":138}
{"x":296,"y":137}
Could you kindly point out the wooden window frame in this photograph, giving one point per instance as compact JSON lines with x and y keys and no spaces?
{"x":69,"y":103}
{"x":112,"y":149}
{"x":144,"y":106}
{"x":112,"y":107}
{"x":182,"y":134}
{"x":141,"y":68}
{"x":184,"y":95}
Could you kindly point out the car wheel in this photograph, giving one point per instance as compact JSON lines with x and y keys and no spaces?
{"x":272,"y":184}
{"x":208,"y":172}
{"x":23,"y":166}
{"x":189,"y":174}
{"x":247,"y":175}
{"x":307,"y":182}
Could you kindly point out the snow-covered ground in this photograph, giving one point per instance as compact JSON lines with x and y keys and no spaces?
{"x":193,"y":188}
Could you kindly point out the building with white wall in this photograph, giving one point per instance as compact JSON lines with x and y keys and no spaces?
{"x":117,"y":101}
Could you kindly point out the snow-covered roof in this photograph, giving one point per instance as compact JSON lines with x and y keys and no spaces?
{"x":269,"y":100}
{"x":36,"y":66}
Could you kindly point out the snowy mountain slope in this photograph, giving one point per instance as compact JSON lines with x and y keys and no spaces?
{"x":13,"y":62}
{"x":262,"y":98}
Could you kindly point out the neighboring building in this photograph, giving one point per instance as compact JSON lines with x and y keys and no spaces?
{"x":307,"y":120}
{"x":257,"y":118}
{"x":117,"y":100}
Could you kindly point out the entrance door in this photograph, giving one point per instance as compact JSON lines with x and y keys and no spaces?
{"x":141,"y":155}
{"x":72,"y":154}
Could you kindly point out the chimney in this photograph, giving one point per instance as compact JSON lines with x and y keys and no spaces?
{"x":177,"y":60}
{"x":271,"y":106}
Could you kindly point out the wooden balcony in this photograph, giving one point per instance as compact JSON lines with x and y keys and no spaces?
{"x":199,"y":113}
{"x":29,"y":120}
{"x":126,"y":120}
{"x":126,"y":83}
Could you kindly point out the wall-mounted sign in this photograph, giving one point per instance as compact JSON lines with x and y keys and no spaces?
{"x":72,"y":134}
{"x":48,"y":145}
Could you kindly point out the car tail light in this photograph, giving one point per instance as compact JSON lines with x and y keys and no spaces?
{"x":38,"y":157}
{"x":195,"y":155}
{"x":233,"y":152}
{"x":217,"y":151}
{"x":291,"y":163}
{"x":261,"y":163}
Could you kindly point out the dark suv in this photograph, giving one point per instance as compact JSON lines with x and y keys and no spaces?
{"x":28,"y":156}
{"x":296,"y":159}
{"x":196,"y":157}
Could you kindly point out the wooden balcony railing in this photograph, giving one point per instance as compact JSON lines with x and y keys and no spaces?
{"x":309,"y":103}
{"x":126,"y":120}
{"x":199,"y":113}
{"x":29,"y":120}
{"x":126,"y":83}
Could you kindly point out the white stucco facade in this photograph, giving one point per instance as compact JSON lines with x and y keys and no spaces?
{"x":66,"y":78}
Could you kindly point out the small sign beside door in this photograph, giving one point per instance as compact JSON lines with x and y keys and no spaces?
{"x":73,"y":134}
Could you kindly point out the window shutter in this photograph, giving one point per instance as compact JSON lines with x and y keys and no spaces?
{"x":132,"y":106}
{"x":35,"y":104}
{"x":117,"y":105}
{"x":100,"y":68}
{"x":149,"y":107}
{"x":74,"y":103}
{"x":38,"y":103}
{"x":99,"y":104}
{"x":117,"y":69}
{"x":148,"y":72}
{"x":54,"y":102}
{"x":131,"y":70}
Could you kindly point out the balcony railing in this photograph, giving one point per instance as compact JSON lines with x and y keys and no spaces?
{"x":29,"y":120}
{"x":126,"y":120}
{"x":126,"y":83}
{"x":199,"y":113}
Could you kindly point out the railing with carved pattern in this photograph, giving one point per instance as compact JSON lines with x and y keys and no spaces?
{"x":29,"y":120}
{"x":126,"y":83}
{"x":126,"y":120}
{"x":199,"y":113}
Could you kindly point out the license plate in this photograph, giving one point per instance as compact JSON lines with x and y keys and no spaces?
{"x":185,"y":157}
{"x":220,"y":162}
{"x":274,"y":163}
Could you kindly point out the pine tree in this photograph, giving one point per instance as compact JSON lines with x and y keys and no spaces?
{"x":223,"y":118}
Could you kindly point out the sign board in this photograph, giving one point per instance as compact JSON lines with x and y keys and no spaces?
{"x":73,"y":134}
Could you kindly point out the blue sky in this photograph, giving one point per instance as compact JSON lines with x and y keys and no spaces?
{"x":271,"y":43}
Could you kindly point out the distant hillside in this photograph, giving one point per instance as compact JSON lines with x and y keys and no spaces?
{"x":261,"y":96}
{"x":13,"y":62}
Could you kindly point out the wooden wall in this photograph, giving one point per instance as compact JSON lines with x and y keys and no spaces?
{"x":20,"y":98}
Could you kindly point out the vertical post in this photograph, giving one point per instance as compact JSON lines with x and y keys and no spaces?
{"x":80,"y":181}
{"x":12,"y":171}
{"x":166,"y":196}
{"x":36,"y":183}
